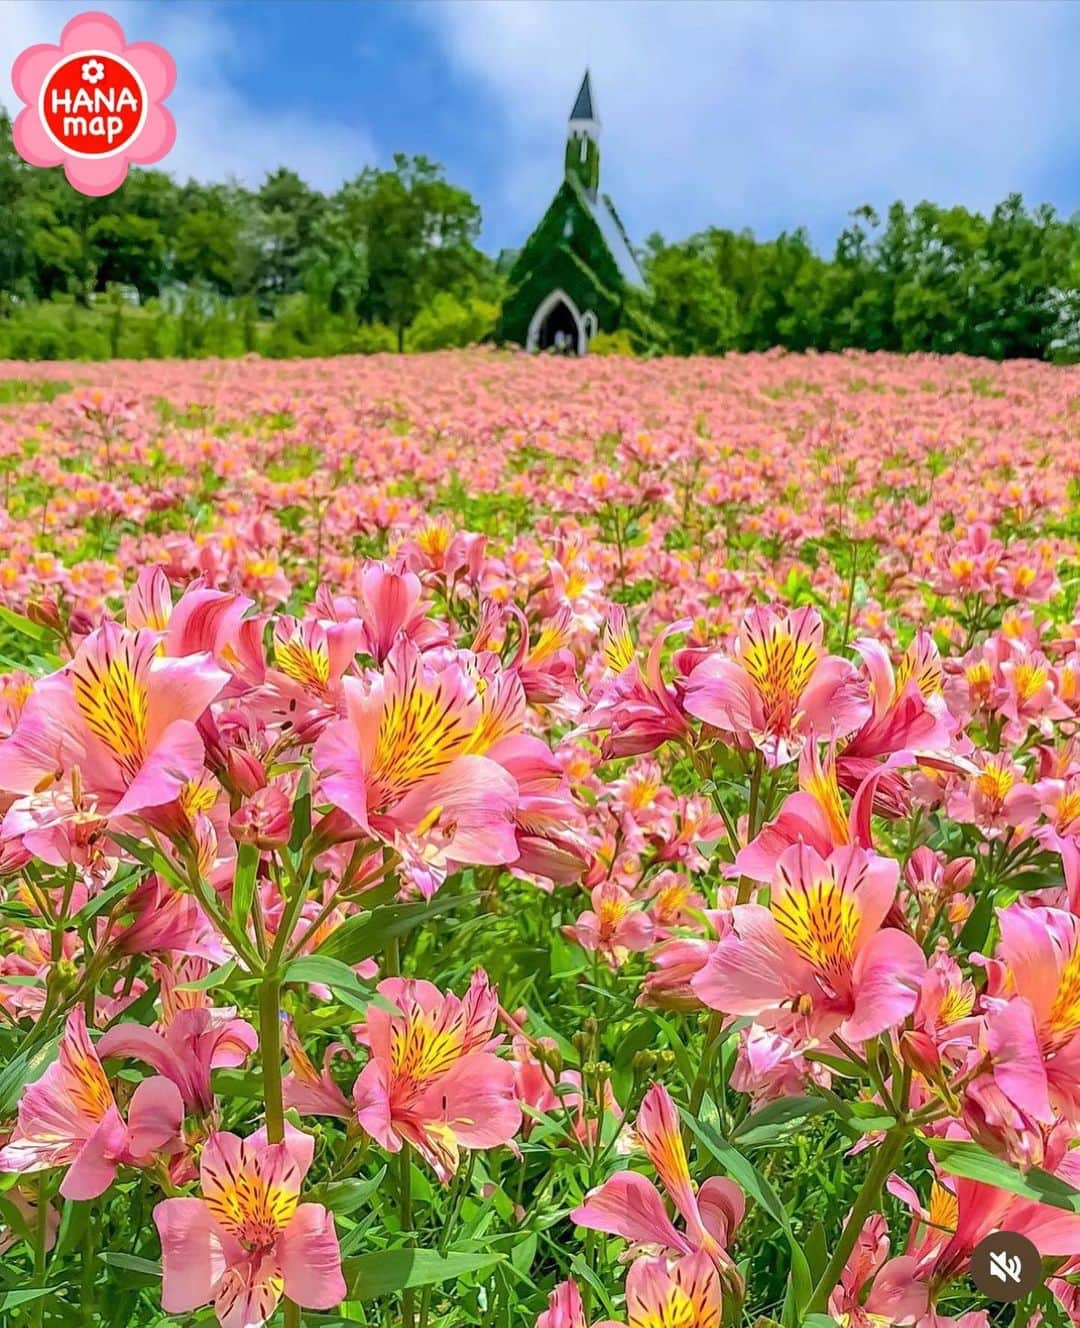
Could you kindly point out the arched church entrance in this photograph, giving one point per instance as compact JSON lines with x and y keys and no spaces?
{"x":557,"y":326}
{"x":559,"y":330}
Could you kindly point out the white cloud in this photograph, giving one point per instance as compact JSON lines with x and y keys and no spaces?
{"x":772,"y":113}
{"x":219,"y":133}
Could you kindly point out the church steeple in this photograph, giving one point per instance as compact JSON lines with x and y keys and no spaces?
{"x":583,"y":141}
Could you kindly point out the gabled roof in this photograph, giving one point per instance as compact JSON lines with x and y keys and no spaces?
{"x":583,"y":107}
{"x":610,"y":227}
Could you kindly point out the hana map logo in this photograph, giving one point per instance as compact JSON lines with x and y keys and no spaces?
{"x":93,"y":104}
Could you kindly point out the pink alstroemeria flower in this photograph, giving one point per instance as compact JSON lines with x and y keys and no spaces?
{"x":996,"y":797}
{"x":307,"y":1090}
{"x":1034,"y":1035}
{"x":629,"y":1205}
{"x":565,"y":1309}
{"x":249,"y":1240}
{"x":639,"y":710}
{"x":433,"y":1080}
{"x":814,"y":814}
{"x":659,"y":1294}
{"x":69,"y":1118}
{"x":614,"y":926}
{"x":405,"y":767}
{"x":116,"y":725}
{"x":185,"y":1047}
{"x":981,"y":1209}
{"x":779,"y":686}
{"x":817,"y":961}
{"x":894,"y":1296}
{"x":908,"y":714}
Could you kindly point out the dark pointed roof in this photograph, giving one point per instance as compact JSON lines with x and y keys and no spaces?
{"x":583,"y":107}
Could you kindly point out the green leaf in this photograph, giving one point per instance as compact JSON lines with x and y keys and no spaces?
{"x":818,"y":1321}
{"x":20,"y":1070}
{"x":771,"y":1121}
{"x":214,"y":978}
{"x":132,"y":1263}
{"x":301,"y":826}
{"x":742,"y":1170}
{"x":331,"y":972}
{"x":960,"y":1157}
{"x":346,"y":1196}
{"x":383,"y":1272}
{"x":36,"y":633}
{"x":99,"y":903}
{"x":817,"y":1250}
{"x":366,"y":934}
{"x":10,"y":1299}
{"x":243,"y":892}
{"x":73,"y":1224}
{"x":976,"y":930}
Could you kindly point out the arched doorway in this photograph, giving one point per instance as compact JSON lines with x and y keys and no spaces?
{"x":559,"y":330}
{"x":557,"y":325}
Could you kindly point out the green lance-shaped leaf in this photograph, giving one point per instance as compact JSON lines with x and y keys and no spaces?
{"x":384,"y":1272}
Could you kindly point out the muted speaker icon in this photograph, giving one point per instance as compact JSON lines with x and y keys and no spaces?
{"x":1005,"y":1266}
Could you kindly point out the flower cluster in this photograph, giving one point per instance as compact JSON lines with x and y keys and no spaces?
{"x":429,"y":876}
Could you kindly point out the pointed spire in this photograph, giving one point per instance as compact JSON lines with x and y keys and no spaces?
{"x":583,"y":107}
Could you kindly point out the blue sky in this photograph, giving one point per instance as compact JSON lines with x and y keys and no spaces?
{"x":759,"y":113}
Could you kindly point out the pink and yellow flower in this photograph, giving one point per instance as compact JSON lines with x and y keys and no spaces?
{"x":117,"y":725}
{"x":433,"y":1080}
{"x":629,"y":1205}
{"x":816,"y":960}
{"x":406,"y":766}
{"x":69,"y":1118}
{"x":779,"y":686}
{"x":249,"y":1240}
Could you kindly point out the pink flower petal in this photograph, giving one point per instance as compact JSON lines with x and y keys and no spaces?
{"x":94,"y":1169}
{"x":96,"y":177}
{"x":155,"y":1118}
{"x":29,"y":70}
{"x":311,"y":1259}
{"x":885,"y":982}
{"x":630,"y":1206}
{"x":194,"y":1254}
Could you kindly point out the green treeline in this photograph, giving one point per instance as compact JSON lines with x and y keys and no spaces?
{"x":391,"y":261}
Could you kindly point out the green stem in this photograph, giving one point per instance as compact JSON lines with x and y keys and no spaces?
{"x":270,"y":1048}
{"x":408,"y":1296}
{"x":41,"y":1233}
{"x":880,"y":1168}
{"x":294,"y":904}
{"x":701,"y":1079}
{"x":746,"y":885}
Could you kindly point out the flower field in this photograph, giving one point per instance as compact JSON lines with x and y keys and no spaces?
{"x":506,"y":842}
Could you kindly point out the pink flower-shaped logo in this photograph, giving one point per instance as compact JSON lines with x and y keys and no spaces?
{"x":93,"y":104}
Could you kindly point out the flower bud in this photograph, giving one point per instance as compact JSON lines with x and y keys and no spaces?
{"x":80,"y":623}
{"x":958,"y":875}
{"x":919,"y":1052}
{"x":245,"y":771}
{"x":44,"y":612}
{"x":265,"y":820}
{"x":550,"y":1056}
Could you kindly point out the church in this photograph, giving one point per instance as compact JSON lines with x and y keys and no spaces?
{"x":571,"y":278}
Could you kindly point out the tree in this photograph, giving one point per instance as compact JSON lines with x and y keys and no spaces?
{"x":130,"y":250}
{"x":418,"y":233}
{"x":690,"y":301}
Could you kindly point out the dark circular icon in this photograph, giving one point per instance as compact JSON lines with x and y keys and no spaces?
{"x":1005,"y":1266}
